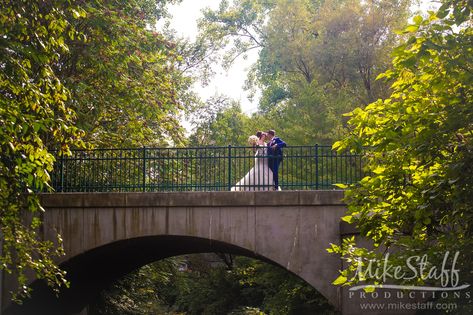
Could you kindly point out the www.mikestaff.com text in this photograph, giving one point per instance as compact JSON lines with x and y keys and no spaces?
{"x":403,"y":306}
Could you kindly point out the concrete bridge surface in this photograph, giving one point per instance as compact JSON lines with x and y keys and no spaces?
{"x":107,"y":235}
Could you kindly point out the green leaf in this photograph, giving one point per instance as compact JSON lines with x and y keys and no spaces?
{"x":411,"y":28}
{"x":347,"y":218}
{"x":418,"y":19}
{"x":76,"y":14}
{"x":340,"y":280}
{"x":443,"y":11}
{"x":379,"y":169}
{"x":369,"y":289}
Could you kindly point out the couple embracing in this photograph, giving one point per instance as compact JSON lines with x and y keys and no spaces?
{"x":268,"y":157}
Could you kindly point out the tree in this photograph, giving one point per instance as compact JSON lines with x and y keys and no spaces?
{"x":271,"y":289}
{"x":239,"y":26}
{"x":65,"y":69}
{"x":220,"y":122}
{"x":148,"y":290}
{"x":34,"y":118}
{"x":317,"y":59}
{"x":417,"y":197}
{"x":211,"y":284}
{"x":124,"y":78}
{"x":312,"y":115}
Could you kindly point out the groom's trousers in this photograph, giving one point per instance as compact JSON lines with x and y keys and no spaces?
{"x":274,"y":166}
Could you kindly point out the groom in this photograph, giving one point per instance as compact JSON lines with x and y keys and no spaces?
{"x":275,"y":146}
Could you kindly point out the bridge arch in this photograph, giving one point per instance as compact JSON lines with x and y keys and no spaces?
{"x":93,"y":271}
{"x":291,"y":229}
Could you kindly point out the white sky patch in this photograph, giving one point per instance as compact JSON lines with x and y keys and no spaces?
{"x":425,"y":5}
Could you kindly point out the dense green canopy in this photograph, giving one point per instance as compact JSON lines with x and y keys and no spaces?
{"x":418,"y":197}
{"x":74,"y":74}
{"x":33,"y":116}
{"x":317,"y":59}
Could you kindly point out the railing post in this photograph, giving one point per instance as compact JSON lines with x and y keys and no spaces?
{"x":316,"y":167}
{"x":229,"y":167}
{"x":144,"y":169}
{"x":62,"y":172}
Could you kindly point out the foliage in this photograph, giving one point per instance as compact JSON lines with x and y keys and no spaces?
{"x":280,"y":294}
{"x":220,"y":122}
{"x":317,"y":59}
{"x":213,"y":292}
{"x":34,"y":117}
{"x":209,"y":286}
{"x":418,"y":197}
{"x":135,"y":293}
{"x":66,"y":68}
{"x":123,"y":77}
{"x":320,"y":61}
{"x":238,"y":25}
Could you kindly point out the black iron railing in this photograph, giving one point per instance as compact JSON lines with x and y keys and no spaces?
{"x":200,"y":169}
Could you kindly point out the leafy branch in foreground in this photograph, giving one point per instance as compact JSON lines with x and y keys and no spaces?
{"x":33,"y":118}
{"x":419,"y":196}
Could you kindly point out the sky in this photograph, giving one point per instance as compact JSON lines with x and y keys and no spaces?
{"x":229,"y":82}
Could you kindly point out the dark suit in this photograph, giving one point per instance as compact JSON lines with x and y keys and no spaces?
{"x":275,"y":158}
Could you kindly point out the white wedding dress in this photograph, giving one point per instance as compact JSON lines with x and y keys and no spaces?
{"x":260,"y":177}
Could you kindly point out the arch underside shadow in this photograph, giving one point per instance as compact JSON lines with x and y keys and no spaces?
{"x":93,"y":271}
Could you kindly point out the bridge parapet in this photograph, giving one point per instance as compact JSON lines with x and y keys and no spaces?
{"x":193,"y":199}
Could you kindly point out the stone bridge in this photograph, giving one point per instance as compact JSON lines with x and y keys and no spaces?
{"x":107,"y":235}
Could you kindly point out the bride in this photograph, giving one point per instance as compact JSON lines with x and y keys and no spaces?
{"x":260,"y":177}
